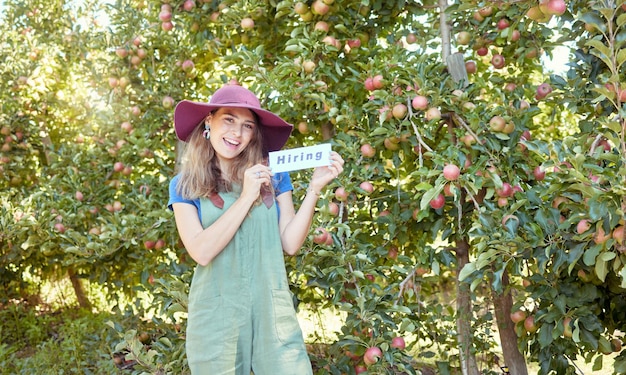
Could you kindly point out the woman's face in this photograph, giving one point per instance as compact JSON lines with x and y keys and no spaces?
{"x":232,"y":129}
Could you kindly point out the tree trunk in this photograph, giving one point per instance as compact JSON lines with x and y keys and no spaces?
{"x":503,"y":302}
{"x":83,"y":300}
{"x":464,"y":314}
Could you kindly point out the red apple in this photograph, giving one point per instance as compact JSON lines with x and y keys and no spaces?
{"x":515,"y":35}
{"x":117,"y":206}
{"x":553,"y":7}
{"x":126,"y":126}
{"x":367,"y":187}
{"x":583,"y":226}
{"x":601,"y":236}
{"x":159,"y":244}
{"x":505,"y":191}
{"x":309,"y":66}
{"x":392,"y":253}
{"x":485,"y":11}
{"x":463,"y":38}
{"x":399,"y":111}
{"x":319,"y":7}
{"x":497,"y":61}
{"x":482,"y":51}
{"x":497,"y":123}
{"x":247,"y":23}
{"x":510,"y":87}
{"x":59,"y":227}
{"x":378,"y":81}
{"x":301,"y":8}
{"x":165,"y":26}
{"x":518,"y":316}
{"x":503,"y":23}
{"x":372,"y":355}
{"x":321,"y":236}
{"x":529,"y":324}
{"x":79,"y":196}
{"x":438,"y":202}
{"x":187,"y":65}
{"x":451,"y":172}
{"x":333,"y":208}
{"x":149,"y":244}
{"x":367,"y":150}
{"x":303,"y":127}
{"x":539,"y":173}
{"x":121,"y":52}
{"x":165,"y":16}
{"x":322,"y":26}
{"x":567,"y":327}
{"x":188,"y":5}
{"x":433,"y":113}
{"x":354,"y":43}
{"x":168,"y":102}
{"x":543,"y":90}
{"x":118,"y":166}
{"x":369,"y":84}
{"x":398,"y":343}
{"x":341,"y":194}
{"x":113,"y":82}
{"x":419,"y":102}
{"x":618,"y":234}
{"x":470,"y":67}
{"x":391,"y":144}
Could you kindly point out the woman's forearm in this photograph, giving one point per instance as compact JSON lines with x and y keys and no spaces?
{"x":296,"y":231}
{"x":203,"y":245}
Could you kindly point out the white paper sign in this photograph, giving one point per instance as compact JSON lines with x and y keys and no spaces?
{"x":300,"y":158}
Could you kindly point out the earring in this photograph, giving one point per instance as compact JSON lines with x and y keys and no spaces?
{"x":207,"y":132}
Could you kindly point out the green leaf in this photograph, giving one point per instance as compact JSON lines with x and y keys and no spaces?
{"x":601,"y":268}
{"x":467,"y":270}
{"x":380,"y":131}
{"x":621,"y":57}
{"x":545,"y":335}
{"x":293,"y":48}
{"x":600,"y":50}
{"x":607,"y":256}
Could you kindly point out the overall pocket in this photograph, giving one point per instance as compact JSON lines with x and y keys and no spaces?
{"x":285,"y":319}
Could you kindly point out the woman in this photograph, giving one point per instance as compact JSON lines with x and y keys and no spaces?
{"x":235,"y":219}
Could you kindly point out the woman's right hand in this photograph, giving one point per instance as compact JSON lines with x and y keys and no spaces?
{"x":255,"y":177}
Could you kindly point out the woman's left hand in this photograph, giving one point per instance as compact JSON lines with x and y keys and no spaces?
{"x":322,"y":176}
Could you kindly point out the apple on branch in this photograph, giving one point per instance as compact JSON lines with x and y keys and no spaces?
{"x":372,"y":355}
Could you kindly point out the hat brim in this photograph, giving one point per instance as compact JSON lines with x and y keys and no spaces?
{"x":188,"y":115}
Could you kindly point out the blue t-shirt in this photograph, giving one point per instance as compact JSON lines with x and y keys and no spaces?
{"x":280,"y":181}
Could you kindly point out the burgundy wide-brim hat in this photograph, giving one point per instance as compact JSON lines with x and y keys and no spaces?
{"x":188,"y":115}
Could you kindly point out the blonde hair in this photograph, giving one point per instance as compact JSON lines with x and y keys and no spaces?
{"x":200,"y":173}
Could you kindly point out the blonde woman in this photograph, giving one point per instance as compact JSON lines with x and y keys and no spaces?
{"x":235,"y":219}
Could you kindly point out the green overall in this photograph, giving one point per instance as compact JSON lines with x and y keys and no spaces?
{"x":241,"y":313}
